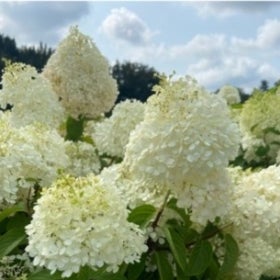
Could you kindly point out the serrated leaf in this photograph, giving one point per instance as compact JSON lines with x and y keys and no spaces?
{"x":10,"y":240}
{"x":11,"y":210}
{"x":142,"y":215}
{"x":231,"y":256}
{"x":163,"y":266}
{"x":74,"y":129}
{"x":177,"y":247}
{"x":200,"y":258}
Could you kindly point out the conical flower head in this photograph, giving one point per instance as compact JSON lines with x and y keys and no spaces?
{"x":80,"y":76}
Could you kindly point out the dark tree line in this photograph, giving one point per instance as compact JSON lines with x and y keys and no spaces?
{"x":35,"y":56}
{"x":135,"y":80}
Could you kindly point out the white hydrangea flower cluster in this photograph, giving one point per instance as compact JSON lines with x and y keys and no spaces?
{"x":90,"y":227}
{"x":31,"y":95}
{"x":83,"y":159}
{"x":257,"y":204}
{"x":256,"y":223}
{"x":132,"y":191}
{"x":259,"y":121}
{"x":250,"y":144}
{"x":255,"y":259}
{"x":31,"y":152}
{"x":80,"y":76}
{"x":111,"y":135}
{"x":209,"y":200}
{"x":186,"y":135}
{"x":230,"y":94}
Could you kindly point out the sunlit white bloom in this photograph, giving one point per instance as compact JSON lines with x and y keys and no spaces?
{"x":80,"y":76}
{"x":89,"y":227}
{"x":83,"y":159}
{"x":31,"y":95}
{"x":230,"y":94}
{"x":28,"y":154}
{"x":132,"y":191}
{"x":257,"y":204}
{"x":206,"y":201}
{"x":255,"y":222}
{"x":256,"y":257}
{"x":185,"y":134}
{"x":251,"y":146}
{"x":111,"y":135}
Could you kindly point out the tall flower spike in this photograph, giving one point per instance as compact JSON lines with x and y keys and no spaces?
{"x":80,"y":76}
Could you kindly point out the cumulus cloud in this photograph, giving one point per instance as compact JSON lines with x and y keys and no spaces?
{"x":199,"y":45}
{"x":217,"y":59}
{"x":214,"y":73}
{"x":225,"y":9}
{"x":124,"y":25}
{"x":32,"y":22}
{"x":268,"y":36}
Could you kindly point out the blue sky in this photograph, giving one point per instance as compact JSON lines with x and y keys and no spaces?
{"x":217,"y":43}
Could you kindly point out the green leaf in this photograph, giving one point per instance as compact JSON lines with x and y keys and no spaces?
{"x":74,"y":129}
{"x":262,"y":151}
{"x":10,"y":240}
{"x":44,"y":274}
{"x":172,"y":204}
{"x":272,"y":130}
{"x":200,"y":258}
{"x":231,"y":256}
{"x":213,"y":269}
{"x":177,"y":247}
{"x":142,"y":215}
{"x":236,"y":106}
{"x":209,"y":231}
{"x":19,"y":220}
{"x":135,"y":270}
{"x":11,"y":210}
{"x":102,"y":274}
{"x":163,"y":265}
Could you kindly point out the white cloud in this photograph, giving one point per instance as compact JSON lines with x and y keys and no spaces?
{"x":124,"y":25}
{"x":268,"y":72}
{"x":268,"y":36}
{"x":225,"y":9}
{"x":200,"y":45}
{"x":32,"y":22}
{"x":215,"y":72}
